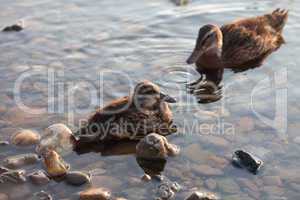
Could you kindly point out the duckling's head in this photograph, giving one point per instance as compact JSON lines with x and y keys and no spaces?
{"x":147,"y":95}
{"x":210,"y":40}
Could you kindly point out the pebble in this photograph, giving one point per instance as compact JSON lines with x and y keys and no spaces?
{"x":19,"y":161}
{"x":4,"y":143}
{"x":202,"y":196}
{"x":77,"y":178}
{"x":39,"y":177}
{"x":56,"y":137}
{"x":54,"y":164}
{"x":13,"y":176}
{"x":25,"y":138}
{"x":95,"y":194}
{"x":146,"y":178}
{"x":155,"y":146}
{"x":42,"y":195}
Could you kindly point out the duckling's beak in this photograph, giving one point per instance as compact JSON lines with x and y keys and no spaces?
{"x":193,"y":57}
{"x":167,"y":98}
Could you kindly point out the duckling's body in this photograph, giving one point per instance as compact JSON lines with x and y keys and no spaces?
{"x":131,"y":117}
{"x":241,"y":44}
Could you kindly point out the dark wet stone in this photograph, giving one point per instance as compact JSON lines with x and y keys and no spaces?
{"x":42,"y":195}
{"x":4,"y":143}
{"x":152,"y":166}
{"x":146,"y":178}
{"x":77,"y":178}
{"x":202,"y":196}
{"x":19,"y":161}
{"x":243,"y":159}
{"x":39,"y":178}
{"x":13,"y":28}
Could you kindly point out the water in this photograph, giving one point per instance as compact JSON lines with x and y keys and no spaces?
{"x":118,"y":43}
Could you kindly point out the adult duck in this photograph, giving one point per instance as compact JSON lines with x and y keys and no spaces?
{"x":240,"y":45}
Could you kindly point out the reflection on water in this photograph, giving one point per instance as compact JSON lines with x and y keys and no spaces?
{"x":132,"y":40}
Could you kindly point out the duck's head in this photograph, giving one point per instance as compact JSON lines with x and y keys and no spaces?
{"x":147,"y":95}
{"x":210,"y":39}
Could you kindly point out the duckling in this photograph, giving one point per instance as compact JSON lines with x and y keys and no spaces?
{"x":240,"y":45}
{"x":131,"y":117}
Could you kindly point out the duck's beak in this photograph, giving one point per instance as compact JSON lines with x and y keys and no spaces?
{"x":193,"y":57}
{"x":167,"y":98}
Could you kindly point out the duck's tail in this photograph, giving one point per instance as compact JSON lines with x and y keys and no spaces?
{"x":278,"y":18}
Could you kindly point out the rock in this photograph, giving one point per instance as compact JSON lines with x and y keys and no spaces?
{"x":206,"y":170}
{"x":13,"y":176}
{"x":39,"y":177}
{"x":56,"y":137}
{"x":211,"y":184}
{"x":165,"y":192}
{"x":19,"y":161}
{"x":119,"y":198}
{"x":4,"y":143}
{"x":202,"y":196}
{"x":243,"y":159}
{"x":155,"y":146}
{"x":25,"y":138}
{"x":95,"y":194}
{"x":42,"y":195}
{"x":3,"y":196}
{"x":77,"y":178}
{"x":146,"y":178}
{"x":13,"y":28}
{"x":54,"y":164}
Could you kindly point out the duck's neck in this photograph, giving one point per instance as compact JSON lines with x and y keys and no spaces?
{"x":212,"y":58}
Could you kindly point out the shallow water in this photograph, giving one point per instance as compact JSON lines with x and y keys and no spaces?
{"x":108,"y":46}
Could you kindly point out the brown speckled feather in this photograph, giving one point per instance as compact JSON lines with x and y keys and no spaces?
{"x":250,"y":41}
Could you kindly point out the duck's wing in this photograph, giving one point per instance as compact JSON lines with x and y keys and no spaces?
{"x":244,"y":43}
{"x":115,"y":108}
{"x":106,"y":115}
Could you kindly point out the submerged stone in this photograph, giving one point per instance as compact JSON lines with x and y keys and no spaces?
{"x":243,"y":159}
{"x":25,"y":138}
{"x":13,"y":176}
{"x":202,"y":196}
{"x":39,"y":178}
{"x":19,"y":161}
{"x":95,"y":194}
{"x":77,"y":178}
{"x":57,"y":137}
{"x":42,"y":195}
